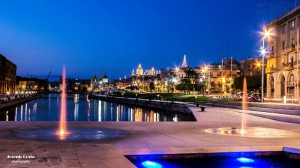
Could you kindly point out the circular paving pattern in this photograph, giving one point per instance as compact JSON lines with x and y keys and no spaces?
{"x":254,"y":132}
{"x":73,"y":134}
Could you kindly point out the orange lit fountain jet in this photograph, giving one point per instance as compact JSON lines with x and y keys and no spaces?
{"x":245,"y":107}
{"x":62,"y":132}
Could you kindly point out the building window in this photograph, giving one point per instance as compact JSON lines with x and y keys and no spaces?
{"x":283,"y":44}
{"x":283,"y":29}
{"x":292,"y":24}
{"x":293,"y":43}
{"x":272,"y":48}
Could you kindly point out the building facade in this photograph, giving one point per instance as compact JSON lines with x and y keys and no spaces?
{"x":8,"y":71}
{"x":24,"y":84}
{"x":251,"y":67}
{"x":220,"y":76}
{"x":146,"y":81}
{"x":282,"y":67}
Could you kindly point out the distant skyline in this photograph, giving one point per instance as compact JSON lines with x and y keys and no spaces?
{"x":42,"y":36}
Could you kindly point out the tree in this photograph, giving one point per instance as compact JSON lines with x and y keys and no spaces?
{"x":188,"y":82}
{"x":253,"y":83}
{"x":151,"y":86}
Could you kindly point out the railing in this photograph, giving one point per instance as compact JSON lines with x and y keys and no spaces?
{"x":288,"y":66}
{"x":295,"y":64}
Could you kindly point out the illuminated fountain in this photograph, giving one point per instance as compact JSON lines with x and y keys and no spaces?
{"x":72,"y":134}
{"x":244,"y":107}
{"x":62,"y":132}
{"x":254,"y":132}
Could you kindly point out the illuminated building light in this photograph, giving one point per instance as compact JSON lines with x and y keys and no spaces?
{"x":151,"y":164}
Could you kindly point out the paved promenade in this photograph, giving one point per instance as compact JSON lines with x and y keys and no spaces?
{"x":142,"y":138}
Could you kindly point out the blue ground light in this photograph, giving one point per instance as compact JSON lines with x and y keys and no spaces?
{"x":217,"y":161}
{"x":151,"y":164}
{"x":245,"y":160}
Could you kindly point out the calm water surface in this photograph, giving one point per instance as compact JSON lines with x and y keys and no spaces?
{"x":80,"y":108}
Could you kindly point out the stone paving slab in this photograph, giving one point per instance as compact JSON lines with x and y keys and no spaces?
{"x":142,"y":138}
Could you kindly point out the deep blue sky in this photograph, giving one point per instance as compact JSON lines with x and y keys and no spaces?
{"x":42,"y":35}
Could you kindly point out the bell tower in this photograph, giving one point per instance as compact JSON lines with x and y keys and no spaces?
{"x":184,"y":63}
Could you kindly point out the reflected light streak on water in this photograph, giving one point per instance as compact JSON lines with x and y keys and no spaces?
{"x":21,"y":112}
{"x":99,"y":111}
{"x":16,"y":114}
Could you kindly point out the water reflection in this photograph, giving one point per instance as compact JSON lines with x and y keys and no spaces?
{"x":80,"y":108}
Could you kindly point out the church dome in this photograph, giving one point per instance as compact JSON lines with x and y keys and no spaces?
{"x":105,"y":79}
{"x":139,"y":70}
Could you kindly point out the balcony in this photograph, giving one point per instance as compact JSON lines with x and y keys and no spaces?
{"x":291,"y":48}
{"x":295,"y":64}
{"x":270,"y":70}
{"x":288,"y":66}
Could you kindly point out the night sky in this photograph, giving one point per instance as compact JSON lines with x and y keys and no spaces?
{"x":41,"y":36}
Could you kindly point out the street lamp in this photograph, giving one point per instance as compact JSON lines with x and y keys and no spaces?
{"x":263,"y":52}
{"x":173,"y":81}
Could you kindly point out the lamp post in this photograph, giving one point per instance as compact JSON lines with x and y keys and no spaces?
{"x":263,"y":52}
{"x":204,"y":74}
{"x":202,"y":83}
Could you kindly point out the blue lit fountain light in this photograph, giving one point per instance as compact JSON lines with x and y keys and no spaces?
{"x":151,"y":164}
{"x":245,"y":160}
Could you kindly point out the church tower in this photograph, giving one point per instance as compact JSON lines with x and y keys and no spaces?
{"x":184,"y":63}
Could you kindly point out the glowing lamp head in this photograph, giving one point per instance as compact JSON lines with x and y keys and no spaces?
{"x":223,"y":80}
{"x":263,"y":51}
{"x":174,"y":80}
{"x":267,"y":34}
{"x":205,"y":68}
{"x":258,"y":64}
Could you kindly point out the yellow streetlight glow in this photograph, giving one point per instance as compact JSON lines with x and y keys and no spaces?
{"x":258,"y":64}
{"x":223,"y":79}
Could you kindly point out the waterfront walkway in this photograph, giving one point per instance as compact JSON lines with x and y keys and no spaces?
{"x":142,"y":138}
{"x":14,"y":102}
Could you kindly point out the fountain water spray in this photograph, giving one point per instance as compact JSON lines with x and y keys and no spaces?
{"x":63,"y":109}
{"x":244,"y":107}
